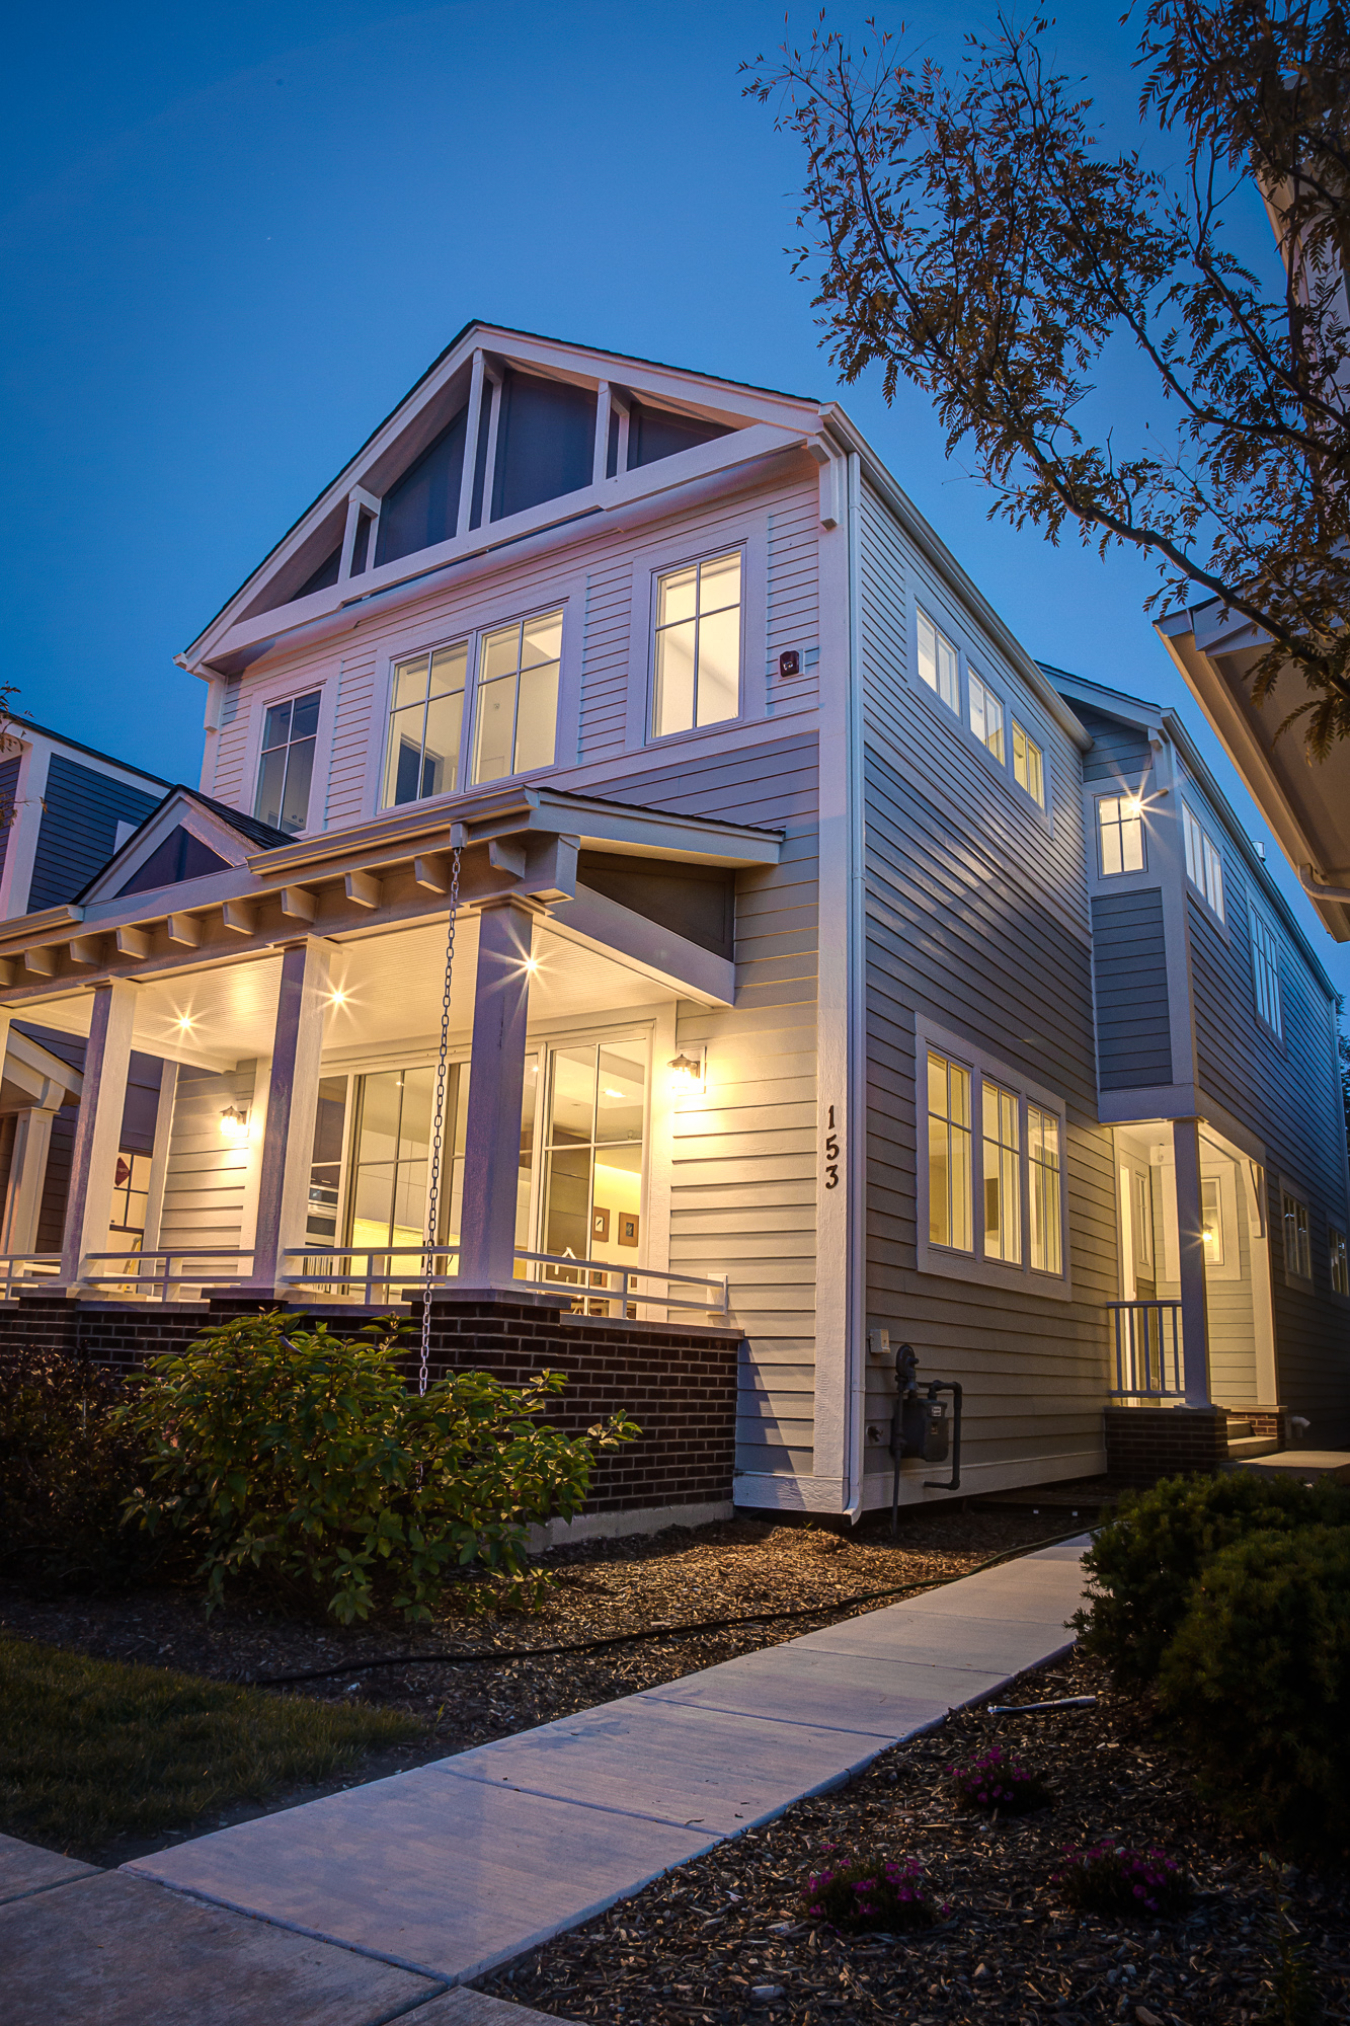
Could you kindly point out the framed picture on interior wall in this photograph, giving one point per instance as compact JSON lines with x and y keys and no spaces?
{"x":600,"y":1227}
{"x":628,"y":1229}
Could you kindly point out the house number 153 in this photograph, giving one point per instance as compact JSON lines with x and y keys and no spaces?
{"x":831,"y":1153}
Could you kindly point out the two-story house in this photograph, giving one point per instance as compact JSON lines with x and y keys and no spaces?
{"x":615,"y":750}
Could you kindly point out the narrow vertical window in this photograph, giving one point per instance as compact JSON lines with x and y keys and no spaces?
{"x":949,"y":1177}
{"x":1340,"y":1263}
{"x":517,"y":700}
{"x":1297,"y":1243}
{"x":1028,"y":764}
{"x":1002,"y":1175}
{"x":1266,"y":975}
{"x":287,"y":765}
{"x":1046,"y":1190}
{"x":425,"y":725}
{"x":1204,"y":866}
{"x":698,"y":646}
{"x":986,"y":716}
{"x":1120,"y":834}
{"x":938,"y":664}
{"x":1211,"y":1220}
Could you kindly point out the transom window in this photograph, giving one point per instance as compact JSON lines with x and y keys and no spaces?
{"x":1266,"y":974}
{"x":1204,"y":867}
{"x":986,"y":716}
{"x":1297,"y":1240}
{"x":949,"y":1220}
{"x":286,"y":769}
{"x":1120,"y":834}
{"x":514,"y":703}
{"x":1028,"y":764}
{"x":938,"y":664}
{"x":698,"y":645}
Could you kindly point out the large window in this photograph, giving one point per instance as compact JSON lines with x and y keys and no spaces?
{"x":1204,"y":867}
{"x":1120,"y":834}
{"x":698,"y":645}
{"x":949,"y":1218}
{"x":287,"y":765}
{"x":986,"y":716}
{"x":1028,"y":764}
{"x":1002,"y":1175}
{"x":938,"y":664}
{"x":592,"y":1179}
{"x":1297,"y":1240}
{"x":1266,"y":973}
{"x":517,"y":704}
{"x":425,"y":724}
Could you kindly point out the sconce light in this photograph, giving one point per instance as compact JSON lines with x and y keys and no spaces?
{"x":688,"y":1074}
{"x":234,"y":1123}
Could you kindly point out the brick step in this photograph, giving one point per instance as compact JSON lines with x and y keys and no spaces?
{"x":1252,"y":1445}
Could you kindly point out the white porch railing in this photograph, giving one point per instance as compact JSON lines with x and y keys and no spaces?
{"x":1148,"y":1348}
{"x":127,"y":1270}
{"x":334,"y":1268}
{"x":26,"y":1266}
{"x":600,"y":1280}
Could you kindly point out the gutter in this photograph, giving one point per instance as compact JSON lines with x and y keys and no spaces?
{"x":1313,"y":886}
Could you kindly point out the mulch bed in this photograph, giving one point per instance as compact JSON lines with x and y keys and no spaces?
{"x":690,"y":1950}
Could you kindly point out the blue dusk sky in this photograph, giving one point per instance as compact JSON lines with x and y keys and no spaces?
{"x":234,"y":235}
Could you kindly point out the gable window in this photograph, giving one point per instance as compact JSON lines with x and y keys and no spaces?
{"x":1340,"y":1262}
{"x":1204,"y":867}
{"x":517,"y":702}
{"x":425,"y":724}
{"x":1046,"y":1187}
{"x":949,"y":1222}
{"x":938,"y":663}
{"x":1002,"y":1175}
{"x":698,"y":645}
{"x":1266,"y":975}
{"x":1028,"y":764}
{"x":1297,"y":1242}
{"x":986,"y":716}
{"x":1120,"y":834}
{"x":287,"y":766}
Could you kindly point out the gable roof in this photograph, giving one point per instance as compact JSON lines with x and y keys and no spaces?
{"x":226,"y":835}
{"x":18,"y":726}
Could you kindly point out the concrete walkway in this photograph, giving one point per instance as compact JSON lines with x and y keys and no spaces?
{"x":446,"y":1872}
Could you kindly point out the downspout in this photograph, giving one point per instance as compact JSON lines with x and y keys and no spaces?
{"x":856,"y":1141}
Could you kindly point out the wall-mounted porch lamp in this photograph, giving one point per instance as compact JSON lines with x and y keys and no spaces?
{"x":689,"y":1074}
{"x":234,"y":1123}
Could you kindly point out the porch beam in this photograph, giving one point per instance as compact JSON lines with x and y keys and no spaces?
{"x":98,"y":1126}
{"x":496,"y":1087}
{"x":292,"y":1105}
{"x":1191,"y":1269}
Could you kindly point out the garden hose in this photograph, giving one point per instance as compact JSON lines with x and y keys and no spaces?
{"x":498,"y":1653}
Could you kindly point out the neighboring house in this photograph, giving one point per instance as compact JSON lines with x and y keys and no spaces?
{"x":64,"y":810}
{"x":773,"y":1007}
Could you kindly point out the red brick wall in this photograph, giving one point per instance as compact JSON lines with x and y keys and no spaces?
{"x":1146,"y":1443}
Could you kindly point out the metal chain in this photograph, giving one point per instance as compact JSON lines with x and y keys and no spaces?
{"x":438,"y":1122}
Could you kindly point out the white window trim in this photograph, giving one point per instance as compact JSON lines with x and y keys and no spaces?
{"x":1305,"y":1281}
{"x":1200,"y":891}
{"x":277,"y":689}
{"x":1339,"y":1230}
{"x":973,"y":1266}
{"x":470,"y":623}
{"x":1273,"y":1034}
{"x":749,"y":534}
{"x":1118,"y":793}
{"x":957,"y":721}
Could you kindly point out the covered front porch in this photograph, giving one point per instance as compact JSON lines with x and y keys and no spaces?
{"x":326,"y":1075}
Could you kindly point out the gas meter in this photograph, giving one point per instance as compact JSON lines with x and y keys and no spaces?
{"x":921,"y":1426}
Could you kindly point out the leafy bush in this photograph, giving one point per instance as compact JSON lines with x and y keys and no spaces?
{"x":1258,"y":1679}
{"x":66,"y":1471}
{"x":1117,"y":1883}
{"x":997,"y":1784}
{"x":871,"y":1894}
{"x":303,"y":1456}
{"x":1145,"y":1561}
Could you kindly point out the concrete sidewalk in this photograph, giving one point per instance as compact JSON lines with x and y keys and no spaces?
{"x":449,"y":1871}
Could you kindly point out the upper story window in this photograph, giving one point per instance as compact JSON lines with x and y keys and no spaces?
{"x":986,"y":716}
{"x":515,"y":710}
{"x":1120,"y":834}
{"x":1266,"y":974}
{"x":1297,"y":1240}
{"x":1028,"y":764}
{"x":698,"y":645}
{"x":938,"y":664}
{"x":1204,"y":867}
{"x":286,"y":769}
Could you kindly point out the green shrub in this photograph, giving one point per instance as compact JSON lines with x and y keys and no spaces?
{"x":1258,"y":1680}
{"x":1145,"y":1561}
{"x":304,"y":1457}
{"x":66,"y":1471}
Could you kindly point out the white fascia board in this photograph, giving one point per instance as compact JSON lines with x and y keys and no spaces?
{"x":249,"y":639}
{"x":961,"y":585}
{"x":685,"y":968}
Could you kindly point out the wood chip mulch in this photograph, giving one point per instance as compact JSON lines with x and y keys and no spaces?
{"x":694,"y":1947}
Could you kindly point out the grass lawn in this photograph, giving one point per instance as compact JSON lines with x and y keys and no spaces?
{"x":92,"y":1749}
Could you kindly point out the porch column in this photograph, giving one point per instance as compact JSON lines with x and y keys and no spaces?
{"x":496,"y":1086}
{"x":292,"y":1103}
{"x":27,"y":1174}
{"x":1191,"y":1248}
{"x":98,"y":1127}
